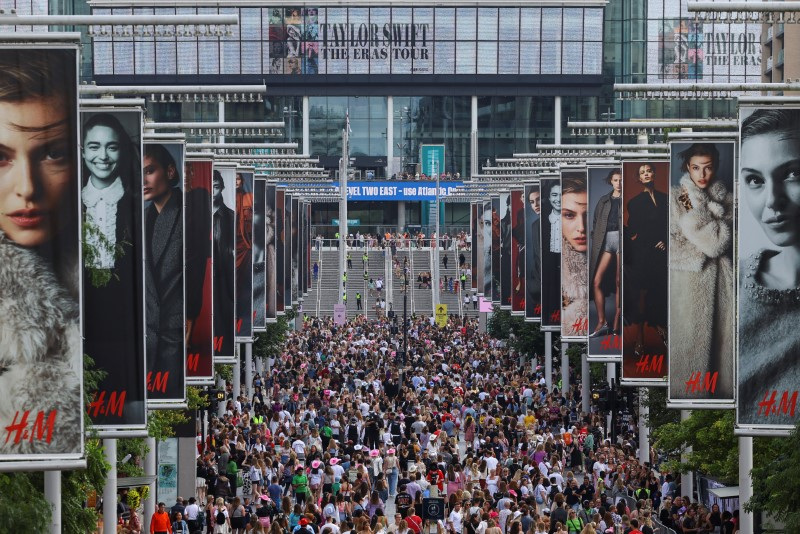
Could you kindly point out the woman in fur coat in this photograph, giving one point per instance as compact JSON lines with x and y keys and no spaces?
{"x":40,"y":338}
{"x":701,"y":275}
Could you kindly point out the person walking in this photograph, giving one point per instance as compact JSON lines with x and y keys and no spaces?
{"x":358,"y":300}
{"x":474,"y":301}
{"x":365,"y":259}
{"x":316,"y":270}
{"x":349,"y":261}
{"x":444,"y":260}
{"x":160,"y":523}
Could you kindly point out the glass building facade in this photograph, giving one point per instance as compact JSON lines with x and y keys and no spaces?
{"x":422,"y":73}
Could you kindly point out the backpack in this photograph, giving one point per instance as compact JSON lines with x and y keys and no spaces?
{"x":220,"y":517}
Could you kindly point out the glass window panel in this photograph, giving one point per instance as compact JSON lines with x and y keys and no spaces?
{"x":187,"y":57}
{"x":509,"y":23}
{"x":378,"y":64}
{"x":251,"y":57}
{"x":209,"y":51}
{"x":509,"y":58}
{"x":445,"y":52}
{"x":402,"y":15}
{"x":445,"y":24}
{"x":655,"y":9}
{"x":230,"y":58}
{"x":103,"y":58}
{"x":551,"y":57}
{"x":250,"y":22}
{"x":401,"y":60}
{"x":487,"y":57}
{"x":123,"y":57}
{"x":530,"y":24}
{"x":551,"y":24}
{"x":573,"y":57}
{"x":424,"y":16}
{"x":377,"y":107}
{"x":573,"y":24}
{"x":466,"y":24}
{"x":166,"y":53}
{"x":529,"y":57}
{"x":487,"y":23}
{"x":359,"y":108}
{"x":593,"y":24}
{"x":465,"y":58}
{"x":592,"y":57}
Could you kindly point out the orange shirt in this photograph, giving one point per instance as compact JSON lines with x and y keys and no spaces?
{"x":160,"y":523}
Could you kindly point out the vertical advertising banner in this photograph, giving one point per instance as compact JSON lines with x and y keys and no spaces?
{"x":270,"y":280}
{"x":574,"y":257}
{"x":198,"y":275}
{"x":224,"y":259}
{"x":496,"y":264}
{"x":605,"y":264}
{"x":42,"y":349}
{"x":259,"y":254}
{"x":518,"y":251}
{"x":533,"y":253}
{"x":473,"y":224}
{"x":701,"y":277}
{"x":114,"y":327}
{"x":244,"y":255}
{"x":309,"y":240}
{"x":296,"y":235}
{"x":645,"y":236}
{"x":301,"y":262}
{"x":551,"y":252}
{"x":483,"y":243}
{"x":289,"y":262}
{"x":505,"y":250}
{"x":162,"y":189}
{"x":768,"y":372}
{"x":280,"y":250}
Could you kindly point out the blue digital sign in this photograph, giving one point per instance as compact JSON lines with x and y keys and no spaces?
{"x":398,"y":190}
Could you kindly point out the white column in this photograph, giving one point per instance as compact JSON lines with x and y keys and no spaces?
{"x":221,"y":118}
{"x":611,"y":377}
{"x":237,"y":373}
{"x":306,"y":127}
{"x":248,"y":369}
{"x":260,"y":367}
{"x":548,"y":359}
{"x":745,"y":482}
{"x":644,"y":429}
{"x":564,"y":368}
{"x":557,"y":121}
{"x":586,"y":385}
{"x":390,"y":168}
{"x":401,"y":214}
{"x":687,"y":479}
{"x":110,"y":489}
{"x":474,"y":163}
{"x":150,"y":470}
{"x":52,"y":494}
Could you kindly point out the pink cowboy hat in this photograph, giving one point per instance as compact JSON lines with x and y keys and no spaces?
{"x":335,"y":461}
{"x":390,"y":451}
{"x":315,"y":464}
{"x":374,"y":453}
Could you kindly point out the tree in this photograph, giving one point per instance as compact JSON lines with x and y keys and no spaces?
{"x":523,"y":337}
{"x":776,"y":462}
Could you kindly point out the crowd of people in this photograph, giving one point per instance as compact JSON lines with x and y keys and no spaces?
{"x":346,"y":433}
{"x":400,"y":240}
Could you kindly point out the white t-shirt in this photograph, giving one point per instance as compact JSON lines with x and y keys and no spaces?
{"x":491,"y":463}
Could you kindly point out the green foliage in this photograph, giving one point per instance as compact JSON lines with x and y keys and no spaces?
{"x":137,"y":448}
{"x":270,"y":344}
{"x":161,"y":423}
{"x":77,"y":485}
{"x":194,"y":400}
{"x":22,"y":504}
{"x":658,"y":413}
{"x":709,"y":433}
{"x":99,"y":277}
{"x":524,"y":338}
{"x":775,"y":486}
{"x":224,"y":371}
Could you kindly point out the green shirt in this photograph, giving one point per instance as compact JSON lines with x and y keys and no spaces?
{"x":300,"y":483}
